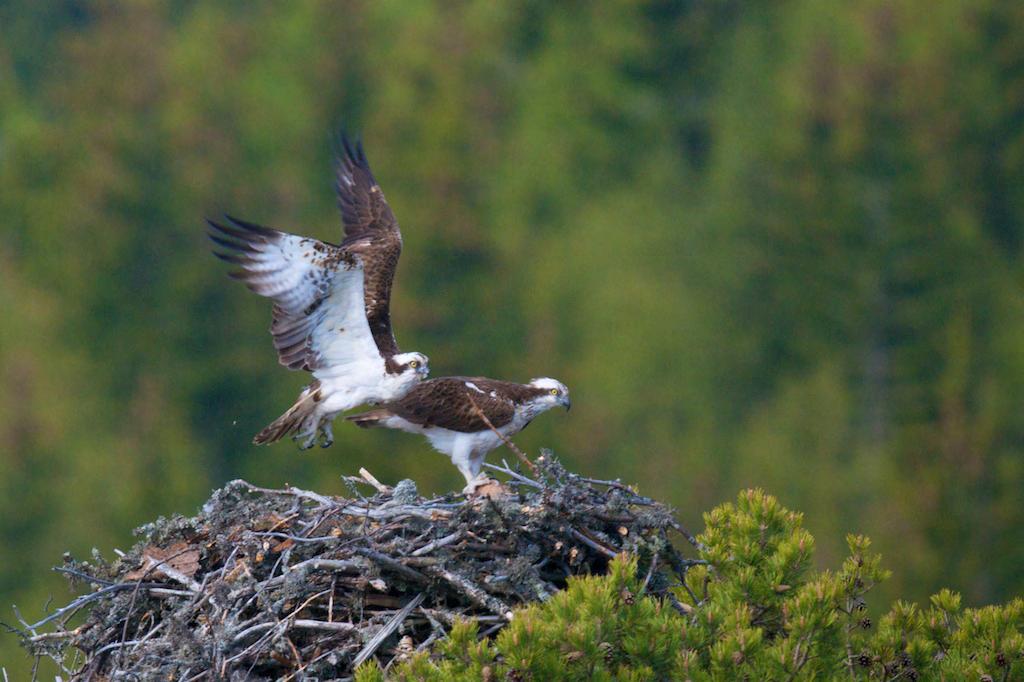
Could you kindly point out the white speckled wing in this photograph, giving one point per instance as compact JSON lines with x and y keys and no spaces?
{"x":319,"y":319}
{"x":341,"y":342}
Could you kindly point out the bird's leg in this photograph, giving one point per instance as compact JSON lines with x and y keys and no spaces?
{"x":307,"y":434}
{"x":470,"y":464}
{"x":326,"y":433}
{"x":462,"y":458}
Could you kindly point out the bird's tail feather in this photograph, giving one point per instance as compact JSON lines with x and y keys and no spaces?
{"x":291,"y":421}
{"x":369,"y":419}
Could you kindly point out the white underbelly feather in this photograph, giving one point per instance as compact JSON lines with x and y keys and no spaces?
{"x":347,"y":387}
{"x":401,"y":424}
{"x":447,"y":441}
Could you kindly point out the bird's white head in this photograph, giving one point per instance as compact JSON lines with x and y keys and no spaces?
{"x":553,"y":393}
{"x":410,"y":368}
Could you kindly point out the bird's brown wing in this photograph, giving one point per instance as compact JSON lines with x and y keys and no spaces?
{"x":372,"y":232}
{"x":452,"y":403}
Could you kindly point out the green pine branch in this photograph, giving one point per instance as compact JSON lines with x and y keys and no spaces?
{"x":757,"y":611}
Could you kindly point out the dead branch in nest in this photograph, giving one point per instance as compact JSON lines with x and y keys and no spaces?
{"x":504,"y":439}
{"x":290,"y":584}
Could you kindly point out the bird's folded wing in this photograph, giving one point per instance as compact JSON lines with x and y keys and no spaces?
{"x":456,"y":403}
{"x":317,"y":289}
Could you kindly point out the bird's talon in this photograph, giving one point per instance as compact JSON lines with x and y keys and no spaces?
{"x":478,"y":482}
{"x":486,"y":487}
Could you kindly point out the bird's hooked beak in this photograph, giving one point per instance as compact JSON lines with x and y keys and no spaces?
{"x":565,"y":401}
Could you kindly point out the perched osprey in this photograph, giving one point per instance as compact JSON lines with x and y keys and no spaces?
{"x":331,"y":311}
{"x":447,"y":411}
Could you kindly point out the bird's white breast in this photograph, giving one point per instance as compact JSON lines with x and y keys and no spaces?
{"x":351,"y":370}
{"x":448,"y":441}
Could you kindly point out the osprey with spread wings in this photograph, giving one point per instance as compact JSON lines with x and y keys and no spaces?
{"x":331,"y":313}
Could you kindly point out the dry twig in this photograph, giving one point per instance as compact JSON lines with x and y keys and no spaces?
{"x":504,"y":439}
{"x":291,"y":584}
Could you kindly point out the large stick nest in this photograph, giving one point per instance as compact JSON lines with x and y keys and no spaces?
{"x":291,"y":585}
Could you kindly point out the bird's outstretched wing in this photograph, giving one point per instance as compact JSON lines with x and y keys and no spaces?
{"x":452,"y":403}
{"x":372,"y":232}
{"x":319,"y":323}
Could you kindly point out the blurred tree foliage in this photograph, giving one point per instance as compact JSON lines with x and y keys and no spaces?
{"x":772,"y":244}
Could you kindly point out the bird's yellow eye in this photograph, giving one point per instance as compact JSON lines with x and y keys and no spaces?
{"x":554,"y":391}
{"x":414,"y":364}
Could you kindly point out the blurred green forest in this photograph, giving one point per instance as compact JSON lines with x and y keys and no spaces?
{"x":768,"y":244}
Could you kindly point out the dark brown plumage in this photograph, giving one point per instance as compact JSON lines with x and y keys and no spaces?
{"x":448,"y":402}
{"x":371,"y":231}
